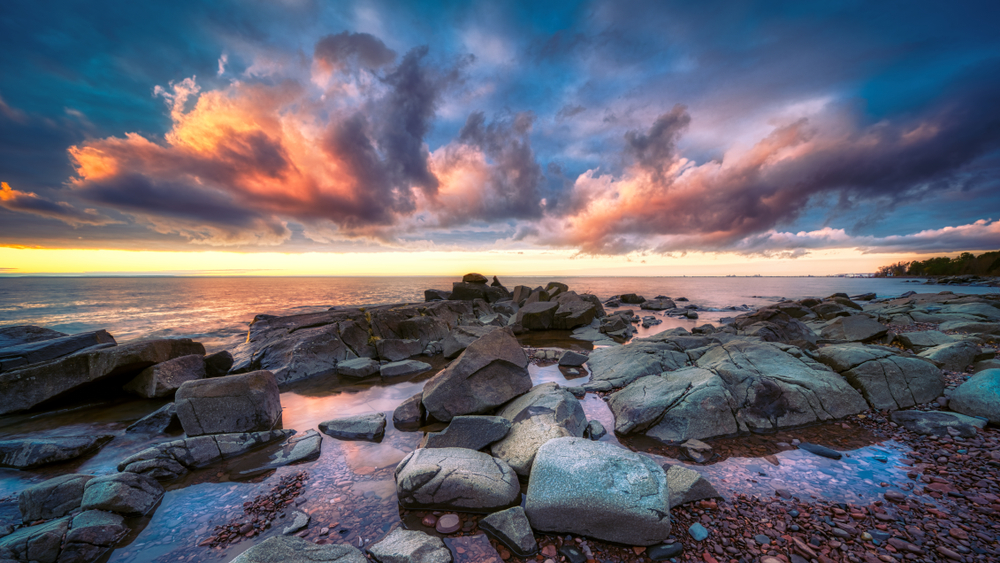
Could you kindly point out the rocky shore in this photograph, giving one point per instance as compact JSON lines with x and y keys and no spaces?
{"x":503,"y":467}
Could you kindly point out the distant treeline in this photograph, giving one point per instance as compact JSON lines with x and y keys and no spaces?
{"x":967,"y":264}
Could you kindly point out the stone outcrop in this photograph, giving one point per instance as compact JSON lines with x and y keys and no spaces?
{"x":474,"y":432}
{"x":621,"y":365}
{"x":490,"y":372}
{"x":539,"y":315}
{"x":854,"y":328}
{"x":34,"y":384}
{"x":599,"y":490}
{"x":953,"y":357}
{"x":979,"y":396}
{"x":886,"y":379}
{"x":291,"y":549}
{"x":91,"y":534}
{"x":771,"y":324}
{"x":27,"y":453}
{"x":176,"y":458}
{"x":163,"y":379}
{"x":455,"y":478}
{"x":247,"y":402}
{"x":40,"y":350}
{"x":542,"y":414}
{"x":53,"y":498}
{"x":370,"y":427}
{"x":131,"y":494}
{"x":922,"y":340}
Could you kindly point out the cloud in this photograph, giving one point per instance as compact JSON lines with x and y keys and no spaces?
{"x":27,"y":202}
{"x":341,"y":51}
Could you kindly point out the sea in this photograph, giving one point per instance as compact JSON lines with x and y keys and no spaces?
{"x":217,"y":310}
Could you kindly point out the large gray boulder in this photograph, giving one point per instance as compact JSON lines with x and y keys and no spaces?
{"x":658,"y":305}
{"x":539,"y":315}
{"x":575,"y":311}
{"x":410,"y":414}
{"x":247,"y":402}
{"x":52,"y":498}
{"x":979,"y":396}
{"x":92,"y":533}
{"x":176,"y":458}
{"x":34,"y":384}
{"x":600,"y":490}
{"x":456,"y":479}
{"x":474,"y":432}
{"x":511,"y":527}
{"x":621,"y":365}
{"x":854,"y":328}
{"x":886,"y":379}
{"x":40,"y":543}
{"x":490,"y":372}
{"x":953,"y":357}
{"x":291,"y":549}
{"x":410,"y":546}
{"x":461,"y":337}
{"x":33,"y":351}
{"x":123,"y":493}
{"x":27,"y":453}
{"x":542,"y":414}
{"x":163,"y":379}
{"x":403,"y":368}
{"x":370,"y":427}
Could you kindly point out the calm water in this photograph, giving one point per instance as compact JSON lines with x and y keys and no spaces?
{"x":216,"y":311}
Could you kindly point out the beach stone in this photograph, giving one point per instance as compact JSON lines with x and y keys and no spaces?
{"x":306,"y":447}
{"x":27,"y":387}
{"x":369,"y":427}
{"x":979,"y":396}
{"x":490,"y":372}
{"x":511,"y":527}
{"x":27,"y":453}
{"x":455,"y":478}
{"x":631,"y":298}
{"x":91,"y":534}
{"x":410,"y":546}
{"x":697,"y":450}
{"x":38,"y":349}
{"x":448,"y":524}
{"x":539,"y":315}
{"x":474,"y":432}
{"x":358,"y":367}
{"x":886,"y":379}
{"x":247,"y":402}
{"x":39,"y":543}
{"x":173,"y":459}
{"x":698,"y":532}
{"x":820,"y":450}
{"x":157,"y":421}
{"x":937,"y":423}
{"x":403,"y":368}
{"x":290,"y":549}
{"x":395,"y":349}
{"x":163,"y":379}
{"x":954,"y":357}
{"x":574,"y":310}
{"x":410,"y":414}
{"x":218,"y":364}
{"x":687,"y":485}
{"x":570,"y":358}
{"x":600,"y":490}
{"x":124,"y":493}
{"x":854,"y":328}
{"x":665,"y":551}
{"x":299,"y":520}
{"x":544,"y":413}
{"x":594,"y":430}
{"x":658,"y":305}
{"x":53,"y":498}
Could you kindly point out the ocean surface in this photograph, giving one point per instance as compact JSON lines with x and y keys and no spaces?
{"x":217,"y":311}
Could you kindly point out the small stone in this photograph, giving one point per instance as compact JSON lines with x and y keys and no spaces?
{"x":448,"y":523}
{"x":299,"y":521}
{"x":698,"y":532}
{"x":820,"y":450}
{"x":430,"y":521}
{"x":665,"y":551}
{"x":894,"y":496}
{"x":762,"y":539}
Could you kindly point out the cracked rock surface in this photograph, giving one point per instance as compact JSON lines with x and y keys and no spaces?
{"x":542,"y":414}
{"x":455,"y":478}
{"x":176,"y":458}
{"x":886,"y":379}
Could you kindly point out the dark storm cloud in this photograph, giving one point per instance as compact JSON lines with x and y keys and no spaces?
{"x":341,"y":50}
{"x":26,"y":202}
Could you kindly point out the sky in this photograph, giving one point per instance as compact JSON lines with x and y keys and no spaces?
{"x":607,"y":137}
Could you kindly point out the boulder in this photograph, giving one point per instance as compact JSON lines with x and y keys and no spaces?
{"x":545,"y":413}
{"x":770,"y":324}
{"x":539,"y":315}
{"x":460,"y":337}
{"x":291,"y":549}
{"x":631,"y":298}
{"x":687,"y":485}
{"x":410,"y":414}
{"x":53,"y":498}
{"x":299,"y":520}
{"x":474,"y":278}
{"x":370,"y":427}
{"x":395,"y":349}
{"x":32,"y":385}
{"x":358,"y":367}
{"x":40,"y":544}
{"x":455,"y":479}
{"x":462,"y":291}
{"x":436,"y":295}
{"x":953,"y":357}
{"x":163,"y":379}
{"x":938,"y":423}
{"x":920,"y":341}
{"x":854,"y":328}
{"x":173,"y":459}
{"x":520,"y":294}
{"x":27,"y":453}
{"x":600,"y":490}
{"x":410,"y":546}
{"x":537,"y":295}
{"x":886,"y":379}
{"x":306,"y":447}
{"x":570,"y":358}
{"x":490,"y":372}
{"x":218,"y":364}
{"x":658,"y":305}
{"x":594,"y":430}
{"x":423,"y":329}
{"x":403,"y":368}
{"x":511,"y":528}
{"x":92,"y":533}
{"x":157,"y":421}
{"x":979,"y":396}
{"x":474,"y":432}
{"x":985,"y":365}
{"x":15,"y":356}
{"x":621,"y":365}
{"x":127,"y":493}
{"x":992,"y":329}
{"x":247,"y":402}
{"x":24,"y":334}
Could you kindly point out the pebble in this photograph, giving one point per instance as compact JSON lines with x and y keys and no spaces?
{"x":448,"y":523}
{"x":430,"y":521}
{"x":698,"y":532}
{"x":665,"y":551}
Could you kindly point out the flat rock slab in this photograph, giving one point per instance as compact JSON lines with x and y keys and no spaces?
{"x":886,"y":379}
{"x":573,"y":359}
{"x":35,"y":452}
{"x":290,"y":549}
{"x":299,"y":449}
{"x":820,"y":450}
{"x":954,"y":357}
{"x":123,"y":493}
{"x":474,"y":432}
{"x":176,"y":458}
{"x":157,"y":421}
{"x":687,"y":485}
{"x":369,"y":427}
{"x":53,"y":498}
{"x":511,"y":528}
{"x":48,"y":349}
{"x":410,"y":546}
{"x":358,"y":367}
{"x":163,"y":379}
{"x":457,"y":479}
{"x":855,"y":328}
{"x":92,"y":533}
{"x":937,"y":423}
{"x":23,"y":334}
{"x":40,"y":543}
{"x":403,"y":368}
{"x":979,"y":396}
{"x":248,"y":402}
{"x":600,"y":490}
